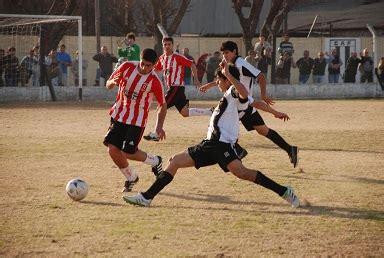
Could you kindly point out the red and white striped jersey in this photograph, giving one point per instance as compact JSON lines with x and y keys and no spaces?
{"x":135,"y":94}
{"x":173,"y":68}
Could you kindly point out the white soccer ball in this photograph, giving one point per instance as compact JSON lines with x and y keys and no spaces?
{"x":77,"y":189}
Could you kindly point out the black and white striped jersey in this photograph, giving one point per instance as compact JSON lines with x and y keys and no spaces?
{"x":248,"y":74}
{"x":224,"y":124}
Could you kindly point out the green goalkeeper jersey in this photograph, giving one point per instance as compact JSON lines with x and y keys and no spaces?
{"x":132,"y":53}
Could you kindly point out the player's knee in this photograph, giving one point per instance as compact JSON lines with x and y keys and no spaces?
{"x":262,"y":130}
{"x":240,"y":172}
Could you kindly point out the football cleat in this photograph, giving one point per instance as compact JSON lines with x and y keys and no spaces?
{"x":138,"y":200}
{"x":152,"y":137}
{"x":157,"y":169}
{"x":291,"y":197}
{"x":129,"y":185}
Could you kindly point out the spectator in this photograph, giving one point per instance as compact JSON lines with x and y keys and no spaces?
{"x":11,"y":67}
{"x":318,"y":72}
{"x":202,"y":66}
{"x":366,"y":67}
{"x":212,"y":65}
{"x":2,"y":54}
{"x":283,"y":68}
{"x":187,"y":69}
{"x":64,"y":60}
{"x":286,"y":47}
{"x":263,"y":61}
{"x":251,"y":58}
{"x":351,"y":68}
{"x":380,"y":69}
{"x":334,"y":63}
{"x":27,"y":64}
{"x":36,"y":67}
{"x":305,"y":65}
{"x":105,"y":61}
{"x":75,"y":69}
{"x":52,"y":67}
{"x":261,"y":45}
{"x":131,"y":50}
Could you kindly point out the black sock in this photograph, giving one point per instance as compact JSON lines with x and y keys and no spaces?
{"x":278,"y":140}
{"x":162,"y":180}
{"x":268,"y":183}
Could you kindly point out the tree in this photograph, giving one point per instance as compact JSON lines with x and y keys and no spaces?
{"x":248,"y":24}
{"x":278,"y":11}
{"x":167,"y":12}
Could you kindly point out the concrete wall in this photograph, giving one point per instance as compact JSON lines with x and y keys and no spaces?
{"x":307,"y":91}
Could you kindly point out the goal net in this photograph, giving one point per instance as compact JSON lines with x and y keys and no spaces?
{"x":41,"y":50}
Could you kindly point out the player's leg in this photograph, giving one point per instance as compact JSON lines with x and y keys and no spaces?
{"x":170,"y":100}
{"x":257,"y":177}
{"x":254,"y":121}
{"x":203,"y":154}
{"x":117,"y":140}
{"x":178,"y":161}
{"x":182,"y":105}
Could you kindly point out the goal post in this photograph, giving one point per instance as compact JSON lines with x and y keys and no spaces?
{"x":24,"y":32}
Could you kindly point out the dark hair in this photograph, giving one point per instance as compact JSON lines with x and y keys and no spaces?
{"x":131,"y":35}
{"x":62,"y":45}
{"x":149,"y":55}
{"x":11,"y":49}
{"x":229,"y":45}
{"x":167,"y":39}
{"x":233,"y":70}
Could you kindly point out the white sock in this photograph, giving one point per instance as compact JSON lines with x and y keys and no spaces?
{"x":151,"y":160}
{"x":129,"y":173}
{"x":200,"y":112}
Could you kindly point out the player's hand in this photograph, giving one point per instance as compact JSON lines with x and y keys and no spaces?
{"x":161,"y":134}
{"x":282,"y":116}
{"x":204,"y":88}
{"x":268,"y":100}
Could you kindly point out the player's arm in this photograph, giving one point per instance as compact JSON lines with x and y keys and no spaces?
{"x":267,"y":108}
{"x":263,"y":89}
{"x":194,"y":74}
{"x":161,"y":109}
{"x":243,"y":93}
{"x":204,"y":88}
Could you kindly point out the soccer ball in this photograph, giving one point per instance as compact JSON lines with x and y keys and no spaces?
{"x":77,"y":189}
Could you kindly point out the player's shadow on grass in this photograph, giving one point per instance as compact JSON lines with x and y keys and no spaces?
{"x":262,"y":146}
{"x":349,"y":179}
{"x":312,"y":210}
{"x":112,"y":204}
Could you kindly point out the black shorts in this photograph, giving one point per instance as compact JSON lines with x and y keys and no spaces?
{"x":209,"y":152}
{"x":123,"y":136}
{"x":176,"y":97}
{"x":250,"y":119}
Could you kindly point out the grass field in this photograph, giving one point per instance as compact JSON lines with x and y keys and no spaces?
{"x":202,"y":212}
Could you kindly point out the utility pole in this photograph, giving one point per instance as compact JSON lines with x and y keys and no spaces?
{"x":97,"y":25}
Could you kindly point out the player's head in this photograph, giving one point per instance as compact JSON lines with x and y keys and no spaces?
{"x":229,"y":50}
{"x":62,"y":48}
{"x":222,"y":81}
{"x":130,"y":38}
{"x":148,"y":58}
{"x":167,"y":44}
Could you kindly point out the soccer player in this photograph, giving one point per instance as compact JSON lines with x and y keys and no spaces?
{"x":252,"y":120}
{"x":138,"y":83}
{"x":172,"y":65}
{"x":217,"y":148}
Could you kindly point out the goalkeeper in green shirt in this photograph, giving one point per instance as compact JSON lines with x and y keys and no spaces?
{"x":131,"y":51}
